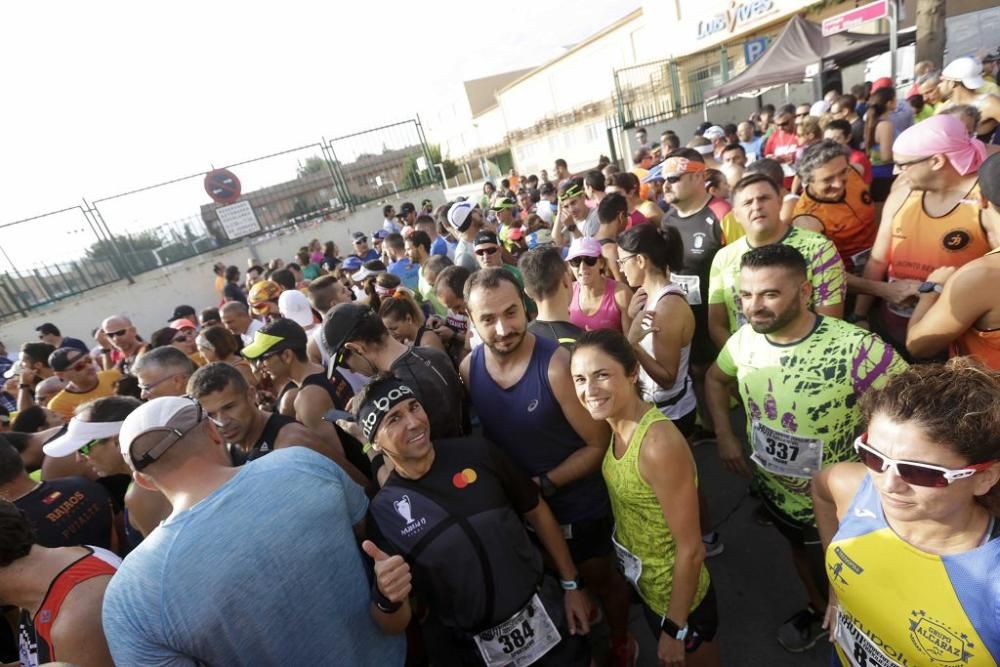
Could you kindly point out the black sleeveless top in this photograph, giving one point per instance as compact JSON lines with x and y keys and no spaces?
{"x":337,"y":386}
{"x":265,"y":443}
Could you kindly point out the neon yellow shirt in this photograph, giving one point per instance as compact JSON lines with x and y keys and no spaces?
{"x":825,"y":270}
{"x":802,"y":402}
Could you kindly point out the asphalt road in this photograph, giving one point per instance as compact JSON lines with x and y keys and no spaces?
{"x":754,"y":578}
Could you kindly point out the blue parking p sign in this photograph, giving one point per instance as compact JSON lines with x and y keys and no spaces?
{"x":754,"y":49}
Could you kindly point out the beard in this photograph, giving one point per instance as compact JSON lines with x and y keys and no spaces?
{"x":774,"y":321}
{"x":511,"y":342}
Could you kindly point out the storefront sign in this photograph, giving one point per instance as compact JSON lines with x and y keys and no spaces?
{"x":855,"y":17}
{"x":738,"y":15}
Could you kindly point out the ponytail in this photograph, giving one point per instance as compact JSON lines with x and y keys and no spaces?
{"x":878,"y":103}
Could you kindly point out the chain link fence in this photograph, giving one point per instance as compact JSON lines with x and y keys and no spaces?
{"x":120,"y":236}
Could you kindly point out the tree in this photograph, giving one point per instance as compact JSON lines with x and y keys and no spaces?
{"x":312,"y":165}
{"x":414,"y":178}
{"x":931,"y":31}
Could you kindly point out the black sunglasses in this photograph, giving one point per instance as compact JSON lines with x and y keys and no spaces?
{"x":482,"y":252}
{"x":589,"y":261}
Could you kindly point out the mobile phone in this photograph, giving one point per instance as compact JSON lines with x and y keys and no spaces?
{"x":333,"y":415}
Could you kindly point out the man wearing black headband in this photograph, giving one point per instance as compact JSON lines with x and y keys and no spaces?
{"x":447,"y":525}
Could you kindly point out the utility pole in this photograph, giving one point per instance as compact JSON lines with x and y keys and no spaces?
{"x":931,"y":36}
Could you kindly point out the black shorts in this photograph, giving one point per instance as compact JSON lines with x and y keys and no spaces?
{"x":804,"y":538}
{"x":457,"y":649}
{"x":587,"y":539}
{"x":687,"y":423}
{"x":703,"y":622}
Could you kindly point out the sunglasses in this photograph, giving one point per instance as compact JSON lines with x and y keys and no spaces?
{"x":116,"y":334}
{"x":181,"y":339}
{"x":903,"y":166}
{"x":673,"y":179}
{"x":911,"y":472}
{"x":482,"y":252}
{"x":85,"y":450}
{"x":577,"y":261}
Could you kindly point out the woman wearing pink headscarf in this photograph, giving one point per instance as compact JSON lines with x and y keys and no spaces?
{"x":931,"y":219}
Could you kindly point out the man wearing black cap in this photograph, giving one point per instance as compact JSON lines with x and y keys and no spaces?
{"x":49,"y":333}
{"x":361,"y":249}
{"x":462,"y":501}
{"x":958,"y":308}
{"x":575,"y":219}
{"x":357,"y":339}
{"x":407,"y":213}
{"x":84,"y":381}
{"x":220,"y":544}
{"x":183,"y":313}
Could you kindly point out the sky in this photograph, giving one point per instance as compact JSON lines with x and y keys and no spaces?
{"x":106,"y":97}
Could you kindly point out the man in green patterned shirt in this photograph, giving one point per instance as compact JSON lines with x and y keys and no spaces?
{"x":800,"y":376}
{"x":757,"y":206}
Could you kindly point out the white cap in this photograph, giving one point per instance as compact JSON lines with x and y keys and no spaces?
{"x":458,"y":215}
{"x":967,"y":70}
{"x":714,"y":133}
{"x":294,"y":305}
{"x":79,"y":433}
{"x":819,"y":108}
{"x":154,"y":426}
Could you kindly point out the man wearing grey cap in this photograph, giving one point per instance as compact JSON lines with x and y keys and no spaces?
{"x":222,"y":583}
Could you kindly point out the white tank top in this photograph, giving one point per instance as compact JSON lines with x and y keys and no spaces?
{"x":676,"y":401}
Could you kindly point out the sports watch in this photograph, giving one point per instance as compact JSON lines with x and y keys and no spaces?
{"x":928,"y":287}
{"x":673,"y":630}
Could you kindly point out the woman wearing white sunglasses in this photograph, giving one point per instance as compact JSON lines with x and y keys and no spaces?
{"x":912,"y":548}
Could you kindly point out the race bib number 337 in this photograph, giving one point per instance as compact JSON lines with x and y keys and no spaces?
{"x":786,"y":454}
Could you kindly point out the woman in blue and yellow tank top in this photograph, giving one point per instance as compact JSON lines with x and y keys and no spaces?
{"x":652,"y":483}
{"x":914,"y":564}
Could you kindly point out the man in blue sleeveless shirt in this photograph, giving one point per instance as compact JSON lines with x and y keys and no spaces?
{"x":521,"y":388}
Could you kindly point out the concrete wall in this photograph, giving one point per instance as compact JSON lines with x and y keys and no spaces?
{"x":151,"y":300}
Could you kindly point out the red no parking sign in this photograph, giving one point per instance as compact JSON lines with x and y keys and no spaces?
{"x":222,"y":186}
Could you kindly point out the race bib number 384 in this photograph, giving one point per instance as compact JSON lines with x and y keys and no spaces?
{"x":520,"y":640}
{"x":786,"y":454}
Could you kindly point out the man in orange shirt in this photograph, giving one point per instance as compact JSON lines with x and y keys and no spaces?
{"x":836,"y":203}
{"x":958,"y":307}
{"x":84,"y":382}
{"x":933,"y":218}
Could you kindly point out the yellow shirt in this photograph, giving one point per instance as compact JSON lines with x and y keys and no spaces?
{"x":65,"y":402}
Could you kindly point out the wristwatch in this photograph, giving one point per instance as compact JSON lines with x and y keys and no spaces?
{"x":854,"y":318}
{"x":574,"y":584}
{"x":928,"y":287}
{"x":548,"y":488}
{"x":672,"y":629}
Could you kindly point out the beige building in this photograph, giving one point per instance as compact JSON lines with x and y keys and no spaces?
{"x":652,"y":67}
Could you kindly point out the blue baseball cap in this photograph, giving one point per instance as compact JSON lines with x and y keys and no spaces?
{"x":352,"y":263}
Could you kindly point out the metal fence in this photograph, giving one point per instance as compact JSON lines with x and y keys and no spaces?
{"x":663,"y":89}
{"x":117,"y":237}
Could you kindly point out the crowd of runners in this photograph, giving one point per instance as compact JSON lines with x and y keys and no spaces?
{"x":468,"y":438}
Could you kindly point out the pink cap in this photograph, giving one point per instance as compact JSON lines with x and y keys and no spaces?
{"x":183,"y":324}
{"x":585,"y":246}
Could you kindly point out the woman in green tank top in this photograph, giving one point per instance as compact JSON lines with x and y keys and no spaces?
{"x":652,"y":483}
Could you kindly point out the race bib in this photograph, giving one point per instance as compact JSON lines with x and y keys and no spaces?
{"x":859,"y":259}
{"x":859,"y":650}
{"x":691,"y":286}
{"x":786,"y":454}
{"x":520,"y":640}
{"x":628,"y":562}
